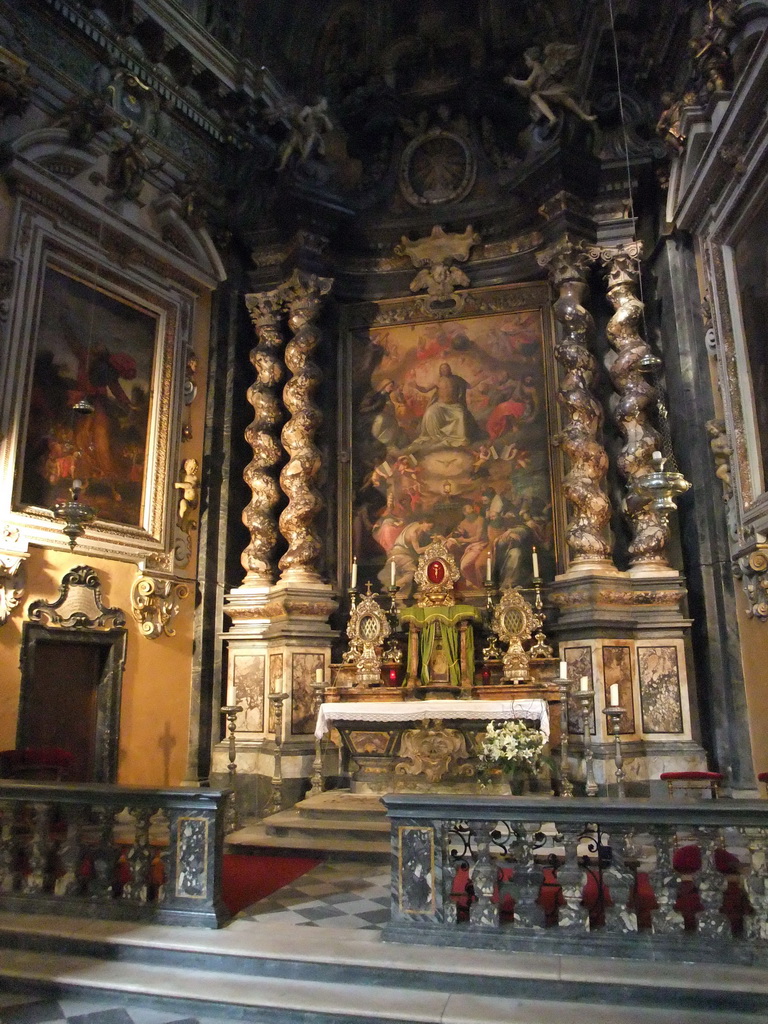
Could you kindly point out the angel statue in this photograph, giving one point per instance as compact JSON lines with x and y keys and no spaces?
{"x":545,"y":86}
{"x":308,"y":126}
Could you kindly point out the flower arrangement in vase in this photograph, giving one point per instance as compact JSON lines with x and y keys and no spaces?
{"x":516,"y":748}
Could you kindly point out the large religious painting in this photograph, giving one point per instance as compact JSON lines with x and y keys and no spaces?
{"x":94,"y":350}
{"x":87,"y":334}
{"x":449,"y":433}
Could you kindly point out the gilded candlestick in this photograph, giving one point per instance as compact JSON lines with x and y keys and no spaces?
{"x":613,"y":714}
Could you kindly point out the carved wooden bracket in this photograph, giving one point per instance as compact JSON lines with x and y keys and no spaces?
{"x":155,"y":601}
{"x":751,"y":567}
{"x":12,"y":583}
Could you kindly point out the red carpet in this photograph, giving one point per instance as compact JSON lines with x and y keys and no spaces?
{"x":248,"y":878}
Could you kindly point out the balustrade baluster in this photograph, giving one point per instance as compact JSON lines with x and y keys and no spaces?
{"x":71,"y":851}
{"x":571,"y":878}
{"x":620,"y":878}
{"x":8,"y":846}
{"x":483,"y":912}
{"x":528,"y":876}
{"x":666,"y":920}
{"x":711,"y":886}
{"x":446,"y":834}
{"x":756,"y":882}
{"x":38,"y":849}
{"x":140,"y":855}
{"x":102,"y":854}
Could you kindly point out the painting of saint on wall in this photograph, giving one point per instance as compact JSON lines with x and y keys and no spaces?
{"x":450,"y":427}
{"x":94,"y":346}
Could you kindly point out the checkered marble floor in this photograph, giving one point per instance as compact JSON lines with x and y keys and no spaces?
{"x":29,"y":1009}
{"x":344,"y":895}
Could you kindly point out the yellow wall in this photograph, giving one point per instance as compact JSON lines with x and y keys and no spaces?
{"x":155,"y":706}
{"x":754,"y":643}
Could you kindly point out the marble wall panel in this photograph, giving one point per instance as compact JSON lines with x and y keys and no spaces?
{"x":660,"y":700}
{"x":192,"y":852}
{"x":416,"y":870}
{"x":248,"y":677}
{"x":579,"y":661}
{"x":303,"y":676}
{"x":617,"y":668}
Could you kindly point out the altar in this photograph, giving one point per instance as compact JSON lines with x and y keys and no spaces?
{"x":424,"y":746}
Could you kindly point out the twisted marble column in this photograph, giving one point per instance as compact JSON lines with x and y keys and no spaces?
{"x":568,"y":264}
{"x":260,"y":515}
{"x":635,"y":393}
{"x":304,"y":296}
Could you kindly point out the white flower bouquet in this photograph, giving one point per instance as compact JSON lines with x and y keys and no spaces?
{"x":513,"y":746}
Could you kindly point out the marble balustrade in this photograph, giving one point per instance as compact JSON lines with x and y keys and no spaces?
{"x":102,"y":851}
{"x":650,"y":879}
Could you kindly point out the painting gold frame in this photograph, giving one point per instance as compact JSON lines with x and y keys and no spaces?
{"x":447,"y":419}
{"x":162,"y":318}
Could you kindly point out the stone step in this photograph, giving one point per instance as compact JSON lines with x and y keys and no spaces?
{"x":338,"y":822}
{"x":283,"y":974}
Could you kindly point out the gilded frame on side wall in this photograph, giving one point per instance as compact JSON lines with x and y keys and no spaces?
{"x":83,"y":326}
{"x":447,"y":418}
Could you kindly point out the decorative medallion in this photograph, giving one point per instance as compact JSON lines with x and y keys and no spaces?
{"x":514,"y":622}
{"x":436,"y":575}
{"x":437,"y":167}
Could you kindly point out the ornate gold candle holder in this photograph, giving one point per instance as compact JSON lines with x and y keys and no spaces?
{"x":566,"y":786}
{"x":587,"y":700}
{"x":275,"y":801}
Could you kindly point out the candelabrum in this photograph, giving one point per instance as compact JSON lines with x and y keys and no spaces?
{"x":350,"y":656}
{"x":392,"y":652}
{"x":587,"y":700}
{"x":566,"y":786}
{"x":613,"y":715}
{"x":232,"y":711}
{"x":318,"y":689}
{"x":492,"y":651}
{"x":541,"y":648}
{"x":275,"y":801}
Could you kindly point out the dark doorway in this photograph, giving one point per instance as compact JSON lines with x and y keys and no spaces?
{"x":70,"y":696}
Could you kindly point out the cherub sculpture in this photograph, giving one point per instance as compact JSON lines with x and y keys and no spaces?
{"x":546,"y":86}
{"x":189,"y":488}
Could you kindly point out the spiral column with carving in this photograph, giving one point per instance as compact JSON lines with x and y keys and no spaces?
{"x":260,"y":515}
{"x":635,"y":393}
{"x":304,"y":296}
{"x":568,"y":264}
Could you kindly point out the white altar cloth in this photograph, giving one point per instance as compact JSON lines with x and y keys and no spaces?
{"x":421,"y":710}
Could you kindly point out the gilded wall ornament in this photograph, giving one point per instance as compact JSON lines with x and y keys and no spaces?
{"x":260,"y":516}
{"x":433,"y":256}
{"x":155,"y":603}
{"x":16,"y":84}
{"x":12,"y":583}
{"x":549,"y":84}
{"x":304,"y":297}
{"x":568,"y":264}
{"x":751,"y":567}
{"x":434,"y":752}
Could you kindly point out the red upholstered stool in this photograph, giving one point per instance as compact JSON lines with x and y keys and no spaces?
{"x":44,"y":764}
{"x":692,"y":781}
{"x":763,"y":777}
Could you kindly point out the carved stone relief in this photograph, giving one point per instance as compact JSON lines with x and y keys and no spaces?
{"x":79,"y":604}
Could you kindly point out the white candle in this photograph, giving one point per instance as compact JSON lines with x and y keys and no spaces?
{"x":535,"y":559}
{"x":488,"y":569}
{"x":392,"y":572}
{"x":353,"y":576}
{"x":231,"y":695}
{"x":614,"y":695}
{"x":657,"y":456}
{"x":563,"y":669}
{"x":319,"y":675}
{"x":584,"y":683}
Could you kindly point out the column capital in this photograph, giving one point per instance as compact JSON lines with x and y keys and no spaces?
{"x":567,"y":260}
{"x":264,"y":308}
{"x":621,"y":261}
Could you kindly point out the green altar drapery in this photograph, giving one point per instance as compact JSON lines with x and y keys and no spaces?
{"x":426,"y":620}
